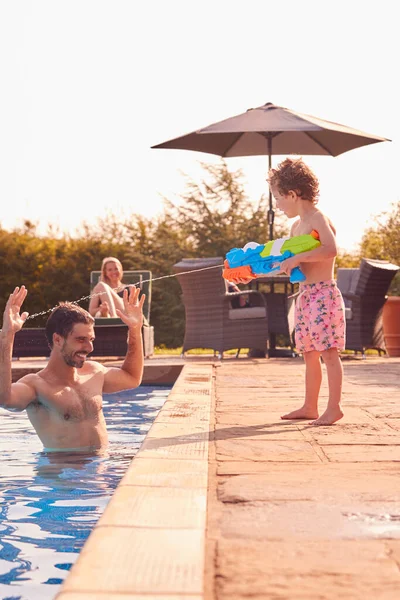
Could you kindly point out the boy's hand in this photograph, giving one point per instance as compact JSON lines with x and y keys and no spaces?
{"x":132,"y":315}
{"x":12,"y":320}
{"x":289,"y":264}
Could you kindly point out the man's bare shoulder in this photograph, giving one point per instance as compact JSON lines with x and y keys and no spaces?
{"x":46,"y":374}
{"x":31,"y":379}
{"x":95,"y":366}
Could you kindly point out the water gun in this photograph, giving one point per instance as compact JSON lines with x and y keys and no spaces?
{"x":254,"y":259}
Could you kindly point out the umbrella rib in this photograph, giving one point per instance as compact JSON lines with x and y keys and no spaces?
{"x":233,"y":143}
{"x":319,"y":143}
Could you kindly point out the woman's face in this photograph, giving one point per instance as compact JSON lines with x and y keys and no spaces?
{"x":113,"y":271}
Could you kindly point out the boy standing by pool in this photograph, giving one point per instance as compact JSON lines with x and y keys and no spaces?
{"x":320,"y":318}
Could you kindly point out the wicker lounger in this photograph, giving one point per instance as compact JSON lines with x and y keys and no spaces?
{"x":211,"y":322}
{"x":364,"y":291}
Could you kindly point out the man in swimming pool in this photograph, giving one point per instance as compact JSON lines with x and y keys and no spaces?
{"x":64,"y":400}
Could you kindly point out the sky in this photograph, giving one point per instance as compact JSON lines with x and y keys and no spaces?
{"x":89,"y":86}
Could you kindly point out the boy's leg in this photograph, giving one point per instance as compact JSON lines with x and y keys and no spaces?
{"x":334,"y":370}
{"x":309,"y":410}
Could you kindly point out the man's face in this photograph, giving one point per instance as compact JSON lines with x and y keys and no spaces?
{"x":78,"y":345}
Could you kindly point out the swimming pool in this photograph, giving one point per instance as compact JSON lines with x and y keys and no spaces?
{"x":49,"y":503}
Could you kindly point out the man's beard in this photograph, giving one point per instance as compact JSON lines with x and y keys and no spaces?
{"x":70,"y":360}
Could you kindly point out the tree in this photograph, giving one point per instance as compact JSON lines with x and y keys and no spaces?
{"x":348,"y":260}
{"x":216,"y":215}
{"x":213,"y":216}
{"x":52,"y":268}
{"x":382,"y":241}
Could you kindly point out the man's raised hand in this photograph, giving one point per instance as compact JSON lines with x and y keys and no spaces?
{"x":12,"y":319}
{"x":132,"y":315}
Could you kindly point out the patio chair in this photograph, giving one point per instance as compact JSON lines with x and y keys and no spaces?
{"x":364,"y":293}
{"x":111,"y":332}
{"x":281,"y":321}
{"x":211,"y":321}
{"x":30,"y":342}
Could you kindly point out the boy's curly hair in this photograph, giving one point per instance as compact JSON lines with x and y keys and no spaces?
{"x":293,"y":174}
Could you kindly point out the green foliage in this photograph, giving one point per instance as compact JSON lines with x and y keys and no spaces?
{"x":53,"y":269}
{"x":382,"y":241}
{"x":348,"y":260}
{"x":213,"y":216}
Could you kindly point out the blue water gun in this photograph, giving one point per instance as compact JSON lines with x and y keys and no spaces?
{"x":262,"y":259}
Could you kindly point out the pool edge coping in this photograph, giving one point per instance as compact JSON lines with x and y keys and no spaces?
{"x":162,"y":499}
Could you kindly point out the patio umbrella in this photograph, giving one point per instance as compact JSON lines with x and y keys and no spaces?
{"x":273,"y":130}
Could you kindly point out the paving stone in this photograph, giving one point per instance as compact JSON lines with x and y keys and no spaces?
{"x":282,"y":482}
{"x":264,"y":451}
{"x":123,"y":596}
{"x":160,"y":507}
{"x":144,"y":561}
{"x":324,"y":519}
{"x":363,"y":453}
{"x":184,"y":447}
{"x":265,"y":432}
{"x":160,"y":429}
{"x":167,"y":473}
{"x":299,"y":569}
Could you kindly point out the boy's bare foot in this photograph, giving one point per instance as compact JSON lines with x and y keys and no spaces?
{"x":302,"y":413}
{"x":330,"y":416}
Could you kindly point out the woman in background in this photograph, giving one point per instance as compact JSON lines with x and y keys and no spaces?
{"x":108,"y":291}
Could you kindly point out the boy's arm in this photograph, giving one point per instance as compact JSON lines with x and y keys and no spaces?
{"x":327,"y":248}
{"x":13,"y":395}
{"x":131,"y":372}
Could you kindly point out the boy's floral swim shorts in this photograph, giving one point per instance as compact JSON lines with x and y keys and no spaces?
{"x":320,"y":317}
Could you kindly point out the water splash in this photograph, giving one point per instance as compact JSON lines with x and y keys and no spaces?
{"x":45,"y":312}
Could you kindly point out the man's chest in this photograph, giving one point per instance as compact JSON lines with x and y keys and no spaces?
{"x":77,"y":402}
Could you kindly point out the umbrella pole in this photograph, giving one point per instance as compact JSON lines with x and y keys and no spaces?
{"x":271,"y":213}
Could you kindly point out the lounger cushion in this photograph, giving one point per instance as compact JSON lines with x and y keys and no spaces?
{"x":348,"y":314}
{"x":255,"y":312}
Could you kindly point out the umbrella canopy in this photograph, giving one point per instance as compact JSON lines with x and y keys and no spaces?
{"x":273,"y":130}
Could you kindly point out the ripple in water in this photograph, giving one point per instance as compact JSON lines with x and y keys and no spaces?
{"x":50,"y":502}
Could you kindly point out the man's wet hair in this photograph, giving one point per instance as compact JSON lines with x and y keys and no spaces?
{"x":63,"y":318}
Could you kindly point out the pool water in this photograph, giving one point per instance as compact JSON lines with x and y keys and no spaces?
{"x":50,"y":502}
